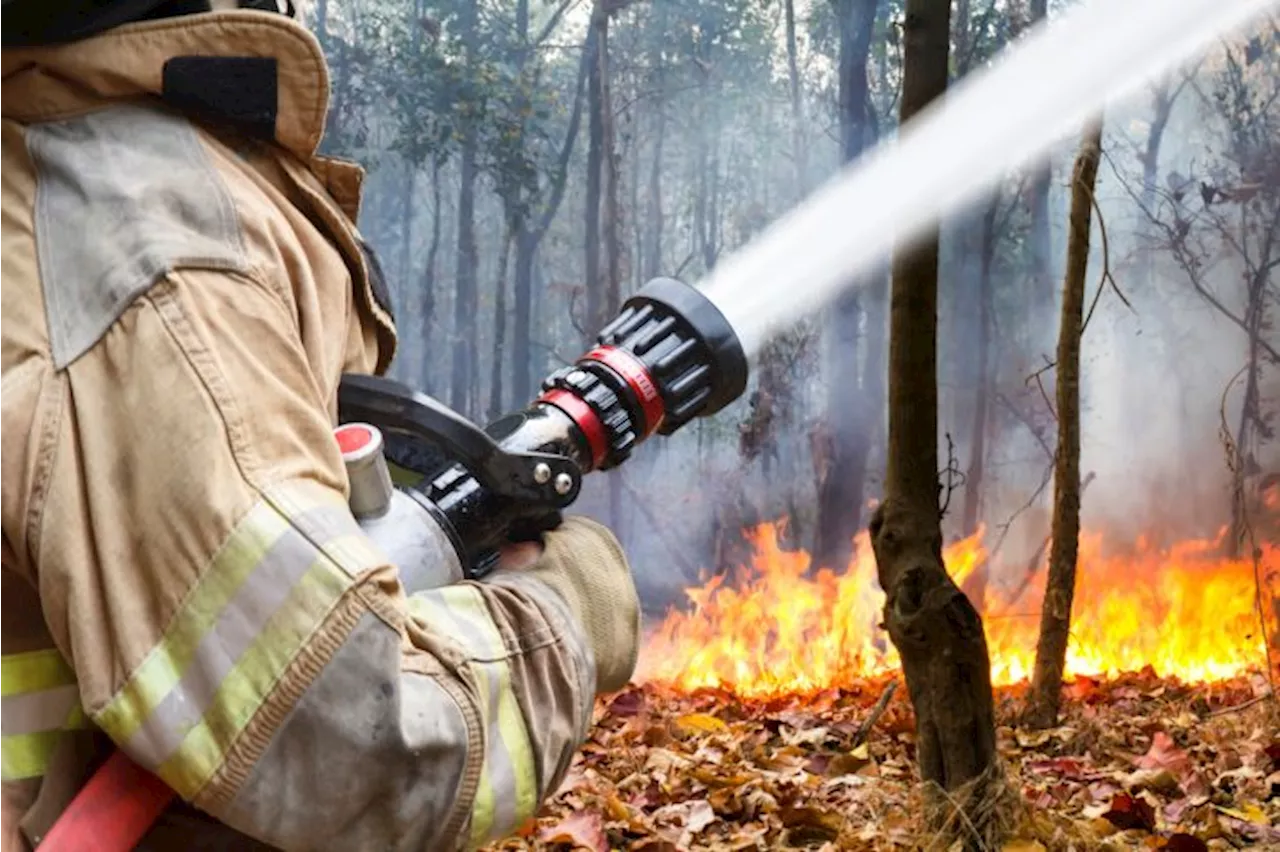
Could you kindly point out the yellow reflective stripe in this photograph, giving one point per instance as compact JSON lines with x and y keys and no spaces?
{"x":33,"y":671}
{"x":511,"y":725}
{"x":251,"y":680}
{"x":36,"y":687}
{"x":508,"y":792}
{"x":266,"y":591}
{"x":432,"y":612}
{"x":160,"y":671}
{"x":27,"y":755}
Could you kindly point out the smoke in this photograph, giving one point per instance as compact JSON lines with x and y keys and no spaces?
{"x":1153,"y":373}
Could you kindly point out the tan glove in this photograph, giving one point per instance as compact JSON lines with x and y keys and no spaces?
{"x":584,"y":563}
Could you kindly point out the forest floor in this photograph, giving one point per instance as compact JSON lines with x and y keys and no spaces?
{"x":1138,"y":763}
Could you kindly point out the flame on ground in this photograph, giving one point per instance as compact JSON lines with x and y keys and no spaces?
{"x":1185,"y":611}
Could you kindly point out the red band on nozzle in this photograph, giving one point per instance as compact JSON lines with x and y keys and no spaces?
{"x":584,"y":417}
{"x":636,"y":375}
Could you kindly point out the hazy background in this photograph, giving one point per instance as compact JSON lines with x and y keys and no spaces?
{"x":701,"y":121}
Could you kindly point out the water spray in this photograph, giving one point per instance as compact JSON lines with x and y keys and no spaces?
{"x":992,"y":122}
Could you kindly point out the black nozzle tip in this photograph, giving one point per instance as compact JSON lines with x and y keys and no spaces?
{"x":727,"y":360}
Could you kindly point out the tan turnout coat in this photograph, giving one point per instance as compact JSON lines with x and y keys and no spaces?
{"x":181,"y":574}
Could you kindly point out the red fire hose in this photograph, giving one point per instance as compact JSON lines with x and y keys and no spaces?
{"x":112,"y":812}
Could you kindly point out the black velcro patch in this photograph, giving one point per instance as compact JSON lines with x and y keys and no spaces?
{"x":241,"y":91}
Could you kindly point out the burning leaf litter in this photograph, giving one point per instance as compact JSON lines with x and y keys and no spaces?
{"x":777,"y":628}
{"x":1139,"y":763}
{"x":764,"y":720}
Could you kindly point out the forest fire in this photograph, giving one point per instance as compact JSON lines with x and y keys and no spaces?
{"x":1184,"y":611}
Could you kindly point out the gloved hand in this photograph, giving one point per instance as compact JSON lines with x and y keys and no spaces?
{"x":582,"y":561}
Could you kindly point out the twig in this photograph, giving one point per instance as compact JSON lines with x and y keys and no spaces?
{"x":1025,"y":420}
{"x":1034,"y":563}
{"x":1246,"y":532}
{"x":1004,"y":528}
{"x":954,"y":476}
{"x":1106,"y":276}
{"x":864,"y":730}
{"x":1236,"y":708}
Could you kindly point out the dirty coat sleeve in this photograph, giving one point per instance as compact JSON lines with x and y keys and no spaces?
{"x":233,"y":630}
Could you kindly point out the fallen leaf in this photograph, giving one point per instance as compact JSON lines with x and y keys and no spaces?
{"x":1128,"y":812}
{"x":1164,"y":754}
{"x":1248,"y":813}
{"x":699,"y":723}
{"x":1157,"y":780}
{"x":1182,"y":842}
{"x":1023,"y":846}
{"x":582,"y":830}
{"x":628,"y":703}
{"x":812,"y":824}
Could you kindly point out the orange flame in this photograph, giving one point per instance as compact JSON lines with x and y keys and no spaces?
{"x":1184,"y":611}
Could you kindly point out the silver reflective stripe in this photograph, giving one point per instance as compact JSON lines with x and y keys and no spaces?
{"x":507,"y":792}
{"x":277,"y":577}
{"x":34,"y":712}
{"x":39,"y":702}
{"x":240,"y":623}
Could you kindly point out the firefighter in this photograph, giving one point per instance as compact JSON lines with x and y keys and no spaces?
{"x":182,"y":577}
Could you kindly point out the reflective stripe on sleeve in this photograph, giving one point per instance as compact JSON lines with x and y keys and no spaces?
{"x":39,"y":702}
{"x":281,"y":571}
{"x":507,"y":795}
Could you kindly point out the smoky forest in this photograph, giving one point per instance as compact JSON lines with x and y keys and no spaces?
{"x":987,"y":554}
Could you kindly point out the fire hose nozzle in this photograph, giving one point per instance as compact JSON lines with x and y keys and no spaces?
{"x":670,"y":356}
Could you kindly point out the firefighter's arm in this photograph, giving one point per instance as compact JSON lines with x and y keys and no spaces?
{"x":234,"y":631}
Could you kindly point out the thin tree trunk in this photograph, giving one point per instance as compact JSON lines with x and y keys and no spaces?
{"x":797,"y":107}
{"x":978,"y":431}
{"x":521,"y":345}
{"x":1055,"y":617}
{"x":849,"y":412}
{"x":496,"y":402}
{"x":594,"y":284}
{"x":427,"y":294}
{"x":531,"y":236}
{"x":1041,"y":291}
{"x":653,"y":258}
{"x":407,"y":195}
{"x":462,"y":378}
{"x":936,"y":630}
{"x":610,"y":227}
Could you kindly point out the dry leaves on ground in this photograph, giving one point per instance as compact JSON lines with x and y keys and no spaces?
{"x":1138,"y":763}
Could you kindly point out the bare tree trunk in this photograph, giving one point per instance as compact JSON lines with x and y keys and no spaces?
{"x":934,"y":627}
{"x":772,"y":404}
{"x":1055,"y":617}
{"x":407,"y":195}
{"x":799,"y":150}
{"x":496,"y":403}
{"x":849,"y":411}
{"x":594,"y":284}
{"x":653,"y":257}
{"x":427,"y":294}
{"x":531,"y":234}
{"x":610,"y":227}
{"x":462,"y":379}
{"x":1041,"y":291}
{"x":975,"y":585}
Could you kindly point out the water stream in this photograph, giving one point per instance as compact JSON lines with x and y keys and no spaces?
{"x":1002,"y":118}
